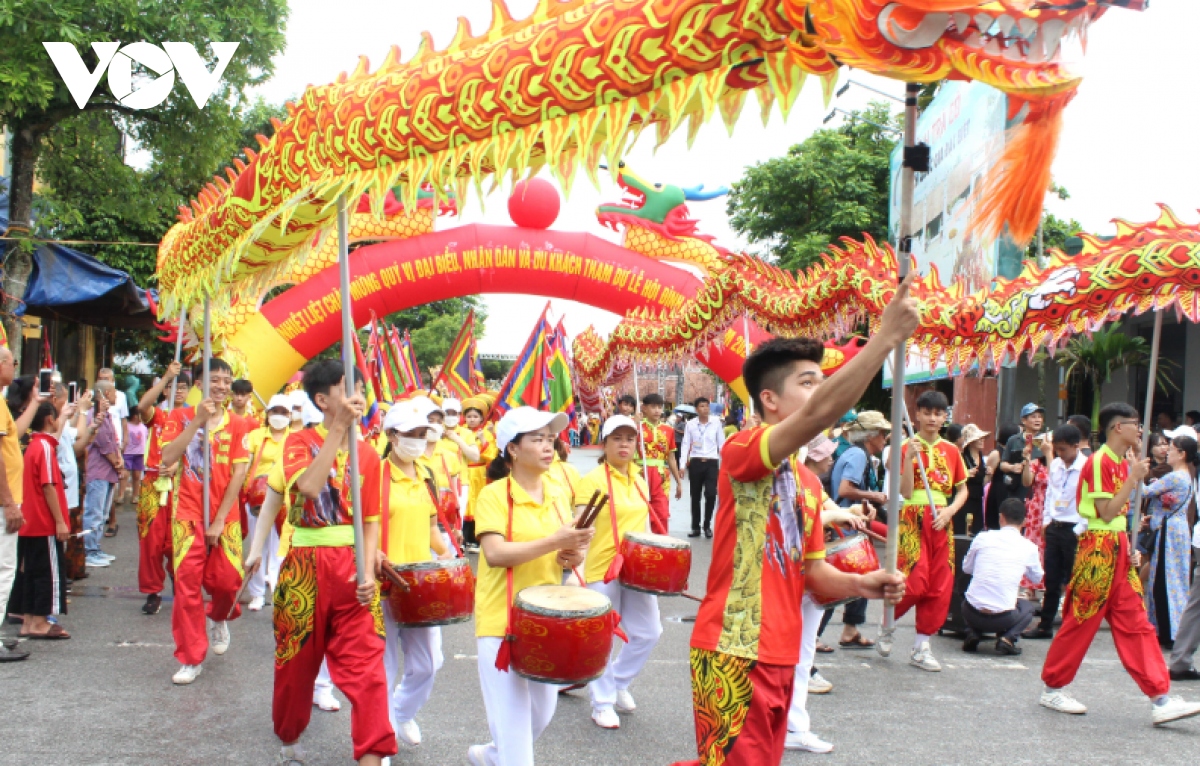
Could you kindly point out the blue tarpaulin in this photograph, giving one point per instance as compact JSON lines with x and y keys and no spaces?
{"x":73,"y":285}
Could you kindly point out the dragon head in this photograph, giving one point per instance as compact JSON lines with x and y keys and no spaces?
{"x":662,"y":207}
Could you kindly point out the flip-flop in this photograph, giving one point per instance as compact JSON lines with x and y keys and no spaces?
{"x":824,"y":649}
{"x":56,"y":633}
{"x":112,"y":531}
{"x":858,"y":642}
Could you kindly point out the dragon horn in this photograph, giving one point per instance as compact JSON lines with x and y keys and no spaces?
{"x":698,"y":194}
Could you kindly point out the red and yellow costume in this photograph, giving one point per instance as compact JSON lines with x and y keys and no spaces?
{"x":155,"y":555}
{"x":746,"y":642}
{"x":658,"y":444}
{"x":1104,"y":587}
{"x":926,"y":555}
{"x":317,"y":614}
{"x":218,"y":570}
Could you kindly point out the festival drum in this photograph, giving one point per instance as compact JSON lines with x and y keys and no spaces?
{"x":655,"y":563}
{"x":562,"y":634}
{"x":853,"y":554}
{"x":439,"y":593}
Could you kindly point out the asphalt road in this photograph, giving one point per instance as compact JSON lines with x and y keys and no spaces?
{"x":105,"y":697}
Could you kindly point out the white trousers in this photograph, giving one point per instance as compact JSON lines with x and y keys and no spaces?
{"x":268,"y":572}
{"x":422,"y":648}
{"x":640,"y":621}
{"x":8,"y":566}
{"x":810,"y":615}
{"x":518,"y":709}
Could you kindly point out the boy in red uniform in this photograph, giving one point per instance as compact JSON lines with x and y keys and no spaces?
{"x":155,"y":556}
{"x":926,"y":546}
{"x":1104,"y":583}
{"x":768,"y":542}
{"x":658,"y":461}
{"x":321,"y":613}
{"x":205,"y":557}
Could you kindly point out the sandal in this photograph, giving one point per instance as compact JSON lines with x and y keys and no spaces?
{"x":112,"y":531}
{"x":823,"y":649}
{"x":56,"y":633}
{"x":858,"y":642}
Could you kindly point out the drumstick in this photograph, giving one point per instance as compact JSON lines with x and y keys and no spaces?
{"x":591,"y":519}
{"x":392,"y":576}
{"x":237,"y":597}
{"x":876,"y":537}
{"x":588,"y":509}
{"x":687,"y":595}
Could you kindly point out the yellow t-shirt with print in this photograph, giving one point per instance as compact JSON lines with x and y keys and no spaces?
{"x":629,"y":496}
{"x":409,"y":508}
{"x":531,"y":521}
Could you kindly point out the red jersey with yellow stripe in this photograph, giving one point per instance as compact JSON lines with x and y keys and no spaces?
{"x":332,"y":507}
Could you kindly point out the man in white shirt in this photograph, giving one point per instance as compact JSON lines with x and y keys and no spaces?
{"x":997,"y":561}
{"x":1062,"y":523}
{"x":703,"y":438}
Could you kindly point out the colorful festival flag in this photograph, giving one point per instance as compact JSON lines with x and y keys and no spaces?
{"x":528,"y":382}
{"x":371,"y":417}
{"x":458,"y":369}
{"x":562,"y":393}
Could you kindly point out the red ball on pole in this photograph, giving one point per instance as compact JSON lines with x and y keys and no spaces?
{"x":534,"y":204}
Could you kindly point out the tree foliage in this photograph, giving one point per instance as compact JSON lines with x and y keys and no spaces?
{"x":434,"y":326}
{"x":833,"y":184}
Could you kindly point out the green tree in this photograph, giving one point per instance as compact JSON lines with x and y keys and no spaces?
{"x":185,"y":143}
{"x":434,"y":326}
{"x":1055,"y":231}
{"x":1091,"y":362}
{"x":833,"y":184}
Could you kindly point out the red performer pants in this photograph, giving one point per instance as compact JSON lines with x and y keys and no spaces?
{"x":218,"y":571}
{"x":741,"y":709}
{"x":1136,"y":640}
{"x":155,"y":554}
{"x":660,"y":500}
{"x":930,"y":584}
{"x":318,"y":617}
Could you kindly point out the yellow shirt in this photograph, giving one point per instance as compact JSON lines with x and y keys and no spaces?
{"x":566,"y":476}
{"x":410,"y":508}
{"x":444,"y":464}
{"x":633,"y":514}
{"x":10,"y":448}
{"x":531,"y":521}
{"x":270,"y":453}
{"x":485,"y":439}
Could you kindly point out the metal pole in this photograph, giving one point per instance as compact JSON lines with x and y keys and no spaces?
{"x":207,"y":394}
{"x":903,"y":249}
{"x":178,"y":354}
{"x":348,"y":368}
{"x":1147,"y":419}
{"x":746,"y":343}
{"x":638,"y":395}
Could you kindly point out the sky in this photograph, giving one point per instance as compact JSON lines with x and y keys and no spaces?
{"x":1129,"y":139}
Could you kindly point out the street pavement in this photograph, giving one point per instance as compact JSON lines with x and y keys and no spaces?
{"x":105,"y":697}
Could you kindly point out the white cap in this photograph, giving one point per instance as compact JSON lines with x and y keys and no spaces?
{"x":1182,"y":431}
{"x":297,"y":398}
{"x":409,"y":415}
{"x":615,"y":422}
{"x":308,"y":411}
{"x":451,"y":404}
{"x":281,"y":401}
{"x":523,"y":420}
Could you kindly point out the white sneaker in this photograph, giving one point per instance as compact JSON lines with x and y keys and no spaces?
{"x":883,"y":643}
{"x":256,"y":604}
{"x":806,"y":741}
{"x":818,"y":684}
{"x":326,"y":701}
{"x":409,"y":732}
{"x":625,"y":701}
{"x":606,"y":718}
{"x":291,"y":755}
{"x":1064,"y":703}
{"x":1174,"y":709}
{"x":923,"y":659}
{"x":185,"y":675}
{"x":476,"y":755}
{"x":218,"y":637}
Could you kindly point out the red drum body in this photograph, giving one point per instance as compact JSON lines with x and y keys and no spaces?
{"x":853,"y":554}
{"x":655,"y":563}
{"x":439,"y":593}
{"x":561,"y":634}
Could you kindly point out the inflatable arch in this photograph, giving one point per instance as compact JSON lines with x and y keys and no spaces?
{"x":469,"y":260}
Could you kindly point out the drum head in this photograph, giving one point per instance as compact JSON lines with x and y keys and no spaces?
{"x":425,"y":566}
{"x":564,"y":600}
{"x":656,"y":541}
{"x":849,"y":540}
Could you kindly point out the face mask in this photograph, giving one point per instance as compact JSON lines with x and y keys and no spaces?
{"x":408,"y":448}
{"x":434,"y":433}
{"x":451,"y":421}
{"x":278,"y":422}
{"x":296,"y":417}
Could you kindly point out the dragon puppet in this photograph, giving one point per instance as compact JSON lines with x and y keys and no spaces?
{"x":574,"y":84}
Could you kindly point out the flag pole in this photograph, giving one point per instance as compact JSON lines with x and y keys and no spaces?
{"x":907,"y":181}
{"x":746,"y":342}
{"x":207,"y":385}
{"x":343,"y":230}
{"x":1147,"y":419}
{"x":178,"y":355}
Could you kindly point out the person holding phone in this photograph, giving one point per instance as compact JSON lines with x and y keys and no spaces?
{"x":104,"y":467}
{"x":1016,"y":456}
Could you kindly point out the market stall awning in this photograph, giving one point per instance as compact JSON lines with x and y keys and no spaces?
{"x":68,"y":284}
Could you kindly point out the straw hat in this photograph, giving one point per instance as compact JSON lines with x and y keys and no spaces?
{"x":972,"y":433}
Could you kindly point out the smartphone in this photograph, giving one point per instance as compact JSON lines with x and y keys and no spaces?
{"x":72,"y":389}
{"x":45,"y":382}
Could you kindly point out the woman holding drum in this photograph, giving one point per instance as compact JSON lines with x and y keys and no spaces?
{"x":409,"y":532}
{"x":627,"y":512}
{"x":526,"y":536}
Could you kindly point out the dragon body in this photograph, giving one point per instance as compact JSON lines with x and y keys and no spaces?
{"x":573,"y":85}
